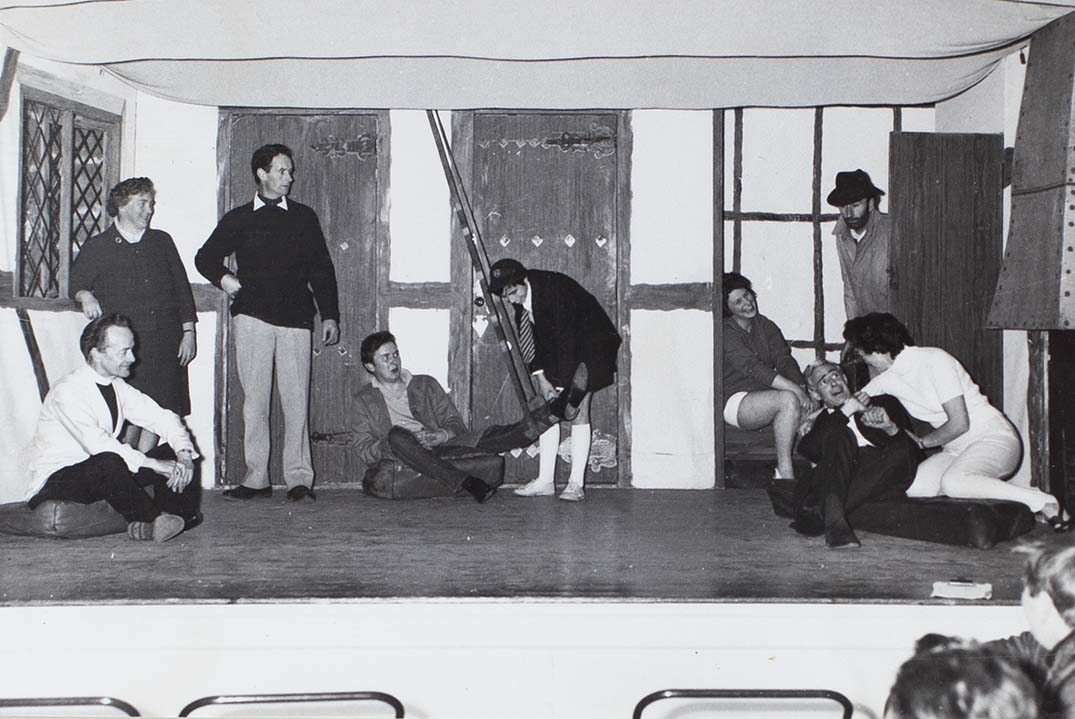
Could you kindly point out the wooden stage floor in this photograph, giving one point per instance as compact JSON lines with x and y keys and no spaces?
{"x":618,"y":545}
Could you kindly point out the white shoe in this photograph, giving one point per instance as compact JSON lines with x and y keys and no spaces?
{"x":572,"y":493}
{"x":536,"y":488}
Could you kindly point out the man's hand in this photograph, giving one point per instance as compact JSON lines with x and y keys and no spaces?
{"x":330,"y":332}
{"x":231,"y":285}
{"x":188,"y":348}
{"x":878,"y":418}
{"x":431,"y":437}
{"x":852,"y":406}
{"x":864,"y":398}
{"x":90,"y":306}
{"x":182,"y":472}
{"x":806,"y":425}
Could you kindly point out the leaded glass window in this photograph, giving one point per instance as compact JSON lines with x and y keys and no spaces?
{"x":69,"y":162}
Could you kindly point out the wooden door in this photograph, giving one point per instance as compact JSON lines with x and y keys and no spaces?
{"x":337,"y":157}
{"x":545,"y":191}
{"x":945,"y":199}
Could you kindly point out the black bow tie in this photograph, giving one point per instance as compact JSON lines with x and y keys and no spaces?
{"x":267,"y":201}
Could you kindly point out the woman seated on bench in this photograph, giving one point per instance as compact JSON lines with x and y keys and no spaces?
{"x":762,"y":383}
{"x":980,"y":448}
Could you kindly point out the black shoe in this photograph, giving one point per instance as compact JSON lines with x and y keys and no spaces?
{"x":301,"y":493}
{"x":809,"y":521}
{"x":193,"y":521}
{"x":478,"y":489}
{"x":241,"y":492}
{"x":782,"y":496}
{"x":567,"y":403}
{"x":839,"y":535}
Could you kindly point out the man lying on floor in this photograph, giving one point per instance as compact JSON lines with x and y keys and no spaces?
{"x":75,"y":453}
{"x":410,"y":419}
{"x":870,"y":457}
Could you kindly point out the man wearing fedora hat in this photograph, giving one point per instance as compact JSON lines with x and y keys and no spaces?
{"x":863,"y":235}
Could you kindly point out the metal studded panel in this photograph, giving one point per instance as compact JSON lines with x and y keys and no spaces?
{"x":1034,"y":290}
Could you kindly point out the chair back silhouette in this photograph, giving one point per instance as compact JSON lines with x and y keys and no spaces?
{"x":766,"y":694}
{"x":49,"y":702}
{"x":227,"y":699}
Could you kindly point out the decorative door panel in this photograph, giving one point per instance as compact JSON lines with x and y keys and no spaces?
{"x":946,"y":198}
{"x":545,"y":192}
{"x":336,"y":173}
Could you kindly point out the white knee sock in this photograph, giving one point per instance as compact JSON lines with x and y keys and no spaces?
{"x":548,"y":444}
{"x":580,"y":453}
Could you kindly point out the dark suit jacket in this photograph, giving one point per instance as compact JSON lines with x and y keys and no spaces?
{"x":810,"y":444}
{"x":570,"y":326}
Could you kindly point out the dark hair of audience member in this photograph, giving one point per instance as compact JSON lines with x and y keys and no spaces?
{"x":877,"y":332}
{"x":957,"y":679}
{"x":729,"y":283}
{"x":263,"y":157}
{"x":374,"y":342}
{"x":1052,"y":569}
{"x":95,"y":334}
{"x":118,"y":195}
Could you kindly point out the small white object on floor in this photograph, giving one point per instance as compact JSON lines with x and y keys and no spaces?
{"x":962,"y":590}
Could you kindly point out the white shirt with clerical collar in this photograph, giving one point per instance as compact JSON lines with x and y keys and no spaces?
{"x":395,"y":399}
{"x":131,"y":237}
{"x":259,"y":203}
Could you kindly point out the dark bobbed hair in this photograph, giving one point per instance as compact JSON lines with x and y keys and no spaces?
{"x":1052,"y":570}
{"x":958,"y":679}
{"x":374,"y":342}
{"x":95,"y":334}
{"x":878,"y":332}
{"x":122,"y":193}
{"x":263,"y":157}
{"x":729,"y":283}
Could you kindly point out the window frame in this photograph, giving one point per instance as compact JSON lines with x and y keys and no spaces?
{"x":74,"y":114}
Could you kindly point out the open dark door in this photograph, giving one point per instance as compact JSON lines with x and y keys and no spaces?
{"x":337,"y":156}
{"x":946,"y":204}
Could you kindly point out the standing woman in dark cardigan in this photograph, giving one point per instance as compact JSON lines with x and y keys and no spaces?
{"x":574,"y":347}
{"x":136,"y":271}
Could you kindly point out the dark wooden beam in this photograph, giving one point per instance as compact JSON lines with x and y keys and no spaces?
{"x":716,"y":298}
{"x":815,"y":194}
{"x":816,"y":216}
{"x":7,"y":79}
{"x":420,"y":295}
{"x":685,"y":296}
{"x":34,"y":351}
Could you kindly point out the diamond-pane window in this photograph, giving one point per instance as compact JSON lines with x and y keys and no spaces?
{"x":69,"y":162}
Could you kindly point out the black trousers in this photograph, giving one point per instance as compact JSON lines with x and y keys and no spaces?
{"x":856,"y":475}
{"x":436,"y":463}
{"x":105,"y":476}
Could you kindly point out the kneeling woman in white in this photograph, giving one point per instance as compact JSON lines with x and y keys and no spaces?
{"x":980,"y":448}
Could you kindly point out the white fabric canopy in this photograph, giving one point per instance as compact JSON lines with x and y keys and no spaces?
{"x":531,"y":54}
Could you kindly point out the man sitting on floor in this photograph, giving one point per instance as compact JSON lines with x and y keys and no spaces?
{"x":870,"y":458}
{"x":77,"y":457}
{"x":410,"y":419}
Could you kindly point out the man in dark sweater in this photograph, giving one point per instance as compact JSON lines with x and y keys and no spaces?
{"x":284,"y":268}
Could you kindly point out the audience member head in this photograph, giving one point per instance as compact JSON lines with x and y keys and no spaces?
{"x":736,"y":288}
{"x":856,"y":197}
{"x":877,"y":333}
{"x":827,"y":383}
{"x":1049,"y":592}
{"x":507,"y":279}
{"x":122,"y":193}
{"x":264,"y":155}
{"x":107,"y":343}
{"x":957,"y":679}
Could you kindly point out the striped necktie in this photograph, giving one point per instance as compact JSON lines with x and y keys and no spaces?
{"x":526,"y":336}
